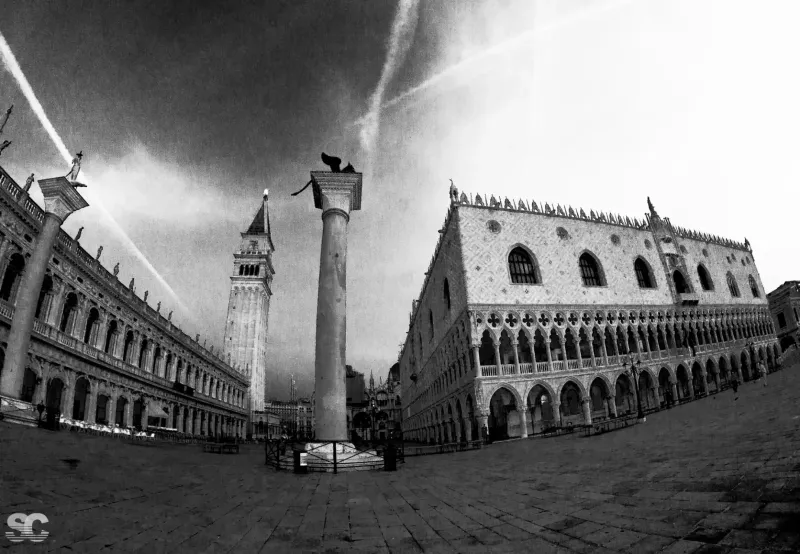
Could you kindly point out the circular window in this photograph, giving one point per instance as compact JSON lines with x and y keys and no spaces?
{"x":493,"y":226}
{"x":615,"y":240}
{"x":705,"y":252}
{"x":648,"y":244}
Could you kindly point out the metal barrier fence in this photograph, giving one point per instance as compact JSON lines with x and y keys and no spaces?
{"x":332,"y":456}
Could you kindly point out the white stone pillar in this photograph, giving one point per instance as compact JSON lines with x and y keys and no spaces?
{"x":336,"y":194}
{"x":60,"y":199}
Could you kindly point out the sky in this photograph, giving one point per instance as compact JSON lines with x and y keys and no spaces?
{"x":187,"y":110}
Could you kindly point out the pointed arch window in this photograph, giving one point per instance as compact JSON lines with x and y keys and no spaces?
{"x":522,"y":267}
{"x":705,"y":278}
{"x":680,"y":282}
{"x":753,"y":286}
{"x":590,"y":271}
{"x":733,"y":286}
{"x":643,"y":274}
{"x":446,"y":293}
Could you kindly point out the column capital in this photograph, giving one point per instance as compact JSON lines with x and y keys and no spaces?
{"x":336,"y":190}
{"x":60,"y":197}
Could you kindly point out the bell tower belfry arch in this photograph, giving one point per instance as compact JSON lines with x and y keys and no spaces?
{"x":246,"y":325}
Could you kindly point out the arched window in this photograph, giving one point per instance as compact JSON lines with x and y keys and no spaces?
{"x":430,"y":319}
{"x":680,"y":282}
{"x":16,"y":264}
{"x":69,"y":306}
{"x":521,"y":267}
{"x":44,"y":295}
{"x":111,"y":337}
{"x":643,"y":275}
{"x":447,"y":293}
{"x":732,"y":286}
{"x":241,"y":270}
{"x":94,"y":315}
{"x":753,"y":287}
{"x":705,"y":278}
{"x":590,"y":271}
{"x":258,"y":270}
{"x":126,"y":351}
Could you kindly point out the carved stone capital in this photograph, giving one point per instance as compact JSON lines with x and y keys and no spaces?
{"x":60,"y":197}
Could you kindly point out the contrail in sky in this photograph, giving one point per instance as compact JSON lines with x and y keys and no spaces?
{"x":467,"y":64}
{"x":13,"y":67}
{"x":405,"y":22}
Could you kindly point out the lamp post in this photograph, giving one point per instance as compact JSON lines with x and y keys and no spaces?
{"x":634,"y":372}
{"x":374,"y":409}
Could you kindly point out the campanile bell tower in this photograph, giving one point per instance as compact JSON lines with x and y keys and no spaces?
{"x":248,"y":306}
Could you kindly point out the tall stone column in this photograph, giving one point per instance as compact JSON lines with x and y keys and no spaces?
{"x":60,"y":199}
{"x":336,"y":194}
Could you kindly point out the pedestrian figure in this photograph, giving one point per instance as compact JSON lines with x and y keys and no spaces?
{"x":763,"y":368}
{"x":735,"y":387}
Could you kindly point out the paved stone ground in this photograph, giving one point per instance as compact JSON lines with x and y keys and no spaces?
{"x":716,"y":475}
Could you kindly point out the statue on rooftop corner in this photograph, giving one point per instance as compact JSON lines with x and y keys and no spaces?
{"x":28,"y":183}
{"x":169,"y":318}
{"x":131,"y":284}
{"x":78,"y":236}
{"x":158,"y":308}
{"x":76,"y":167}
{"x":99,"y":251}
{"x":116,"y":269}
{"x":453,"y":192}
{"x":146,"y":294}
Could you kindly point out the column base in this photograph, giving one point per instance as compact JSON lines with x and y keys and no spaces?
{"x":18,"y":411}
{"x":348,"y":457}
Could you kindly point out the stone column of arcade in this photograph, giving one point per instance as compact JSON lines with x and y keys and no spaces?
{"x":60,"y":199}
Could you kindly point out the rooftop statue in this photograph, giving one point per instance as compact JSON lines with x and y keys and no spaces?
{"x":6,"y":144}
{"x":28,"y":183}
{"x":116,"y":269}
{"x":78,"y":236}
{"x":99,"y":251}
{"x":75,"y":170}
{"x":334,"y":163}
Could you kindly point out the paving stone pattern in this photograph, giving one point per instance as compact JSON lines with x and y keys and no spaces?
{"x":715,"y":475}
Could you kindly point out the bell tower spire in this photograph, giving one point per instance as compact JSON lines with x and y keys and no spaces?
{"x":248,"y":304}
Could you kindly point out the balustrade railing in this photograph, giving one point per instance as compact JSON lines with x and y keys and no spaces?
{"x":526,"y":368}
{"x":572,"y":364}
{"x":586,"y":363}
{"x":613,"y":360}
{"x":542,"y":367}
{"x":558,"y":365}
{"x":508,"y":369}
{"x":489,"y":370}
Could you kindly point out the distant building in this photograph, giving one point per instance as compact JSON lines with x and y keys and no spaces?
{"x":296,"y":418}
{"x":266,"y":425}
{"x":246,"y":325}
{"x":784,"y":304}
{"x":373,"y":412}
